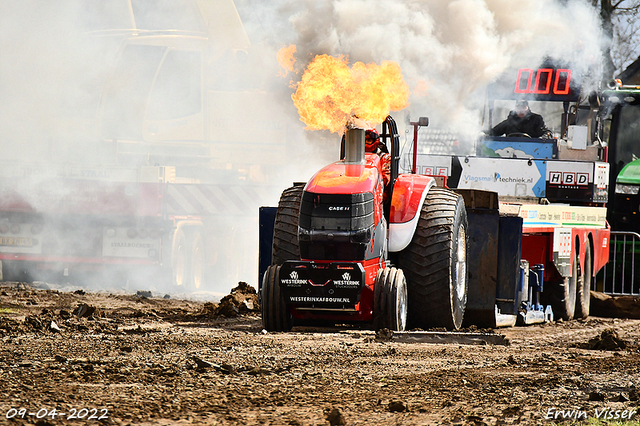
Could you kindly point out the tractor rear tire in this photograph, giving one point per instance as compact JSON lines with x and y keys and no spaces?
{"x":583,"y":296}
{"x":285,"y":231}
{"x":435,"y":263}
{"x":275,"y":315}
{"x":390,"y":300}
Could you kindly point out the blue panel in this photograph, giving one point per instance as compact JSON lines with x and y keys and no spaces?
{"x":267,"y":219}
{"x":540,"y":188}
{"x":519,"y":148}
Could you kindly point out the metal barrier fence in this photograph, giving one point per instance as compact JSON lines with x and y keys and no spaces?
{"x":621,"y":276}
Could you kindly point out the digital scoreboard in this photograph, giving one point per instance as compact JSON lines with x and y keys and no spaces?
{"x":546,"y":83}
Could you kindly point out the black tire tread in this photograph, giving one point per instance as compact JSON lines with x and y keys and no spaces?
{"x":380,"y":300}
{"x":285,"y":232}
{"x":275,"y":316}
{"x":426,"y":261}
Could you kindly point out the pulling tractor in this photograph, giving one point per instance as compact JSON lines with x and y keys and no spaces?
{"x":347,"y":249}
{"x":511,"y":235}
{"x":338,"y":250}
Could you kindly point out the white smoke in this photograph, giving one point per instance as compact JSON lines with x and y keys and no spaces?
{"x":450,"y":50}
{"x":54,"y":69}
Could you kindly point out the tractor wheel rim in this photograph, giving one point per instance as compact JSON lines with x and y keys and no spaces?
{"x":402,"y":306}
{"x":461,"y":263}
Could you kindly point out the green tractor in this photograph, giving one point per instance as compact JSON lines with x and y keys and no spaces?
{"x":618,"y":118}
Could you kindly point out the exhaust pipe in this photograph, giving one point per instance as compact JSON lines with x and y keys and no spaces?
{"x":354,"y":151}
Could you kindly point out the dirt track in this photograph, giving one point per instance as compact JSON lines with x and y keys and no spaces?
{"x":146,"y":360}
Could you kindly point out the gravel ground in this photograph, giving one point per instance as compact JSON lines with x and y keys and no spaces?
{"x":134,"y":359}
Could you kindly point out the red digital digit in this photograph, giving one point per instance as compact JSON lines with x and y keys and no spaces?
{"x":567,"y":82}
{"x":548,"y":72}
{"x":526,"y":89}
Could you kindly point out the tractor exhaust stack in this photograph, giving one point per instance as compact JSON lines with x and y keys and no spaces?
{"x":354,"y":151}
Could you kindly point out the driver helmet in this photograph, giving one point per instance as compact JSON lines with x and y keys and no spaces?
{"x":371,"y":140}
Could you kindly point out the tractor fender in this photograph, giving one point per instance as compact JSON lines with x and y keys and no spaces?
{"x":409,"y":192}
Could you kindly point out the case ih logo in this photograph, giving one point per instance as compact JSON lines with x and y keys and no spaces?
{"x":568,"y":178}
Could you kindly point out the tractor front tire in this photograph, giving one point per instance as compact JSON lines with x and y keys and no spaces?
{"x":285,"y":229}
{"x":275,"y":315}
{"x":390,"y":300}
{"x":435,"y":263}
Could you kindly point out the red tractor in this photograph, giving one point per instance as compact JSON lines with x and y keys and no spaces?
{"x":347,"y":249}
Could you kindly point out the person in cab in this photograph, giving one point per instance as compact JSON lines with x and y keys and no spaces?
{"x":372,"y":145}
{"x":522,"y":122}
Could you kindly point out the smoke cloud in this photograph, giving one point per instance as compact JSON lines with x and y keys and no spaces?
{"x":87,"y":95}
{"x":69,"y":100}
{"x":450,"y":50}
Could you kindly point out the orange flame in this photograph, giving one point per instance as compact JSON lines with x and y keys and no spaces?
{"x":286,"y":59}
{"x":330,"y":93}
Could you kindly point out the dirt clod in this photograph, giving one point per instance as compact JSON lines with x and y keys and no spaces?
{"x":243,"y":299}
{"x":619,"y":398}
{"x":144,"y":293}
{"x":84,"y":311}
{"x":608,"y":340}
{"x":597,"y":396}
{"x":336,"y":418}
{"x":384,"y":335}
{"x":397,"y":406}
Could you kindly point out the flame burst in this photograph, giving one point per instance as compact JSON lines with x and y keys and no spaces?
{"x":330,"y":93}
{"x":286,"y":59}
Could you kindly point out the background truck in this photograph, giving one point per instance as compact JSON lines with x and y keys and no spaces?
{"x":615,"y":113}
{"x":153,"y":157}
{"x":535,"y":230}
{"x":558,"y":186}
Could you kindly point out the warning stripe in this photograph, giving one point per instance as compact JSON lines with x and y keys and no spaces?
{"x":210,"y":196}
{"x":190,"y":199}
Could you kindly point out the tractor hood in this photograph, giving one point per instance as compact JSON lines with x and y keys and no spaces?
{"x":337,"y":179}
{"x":630,"y":174}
